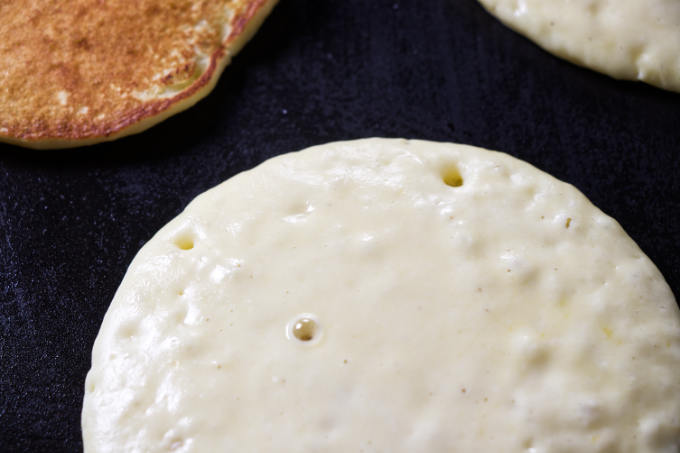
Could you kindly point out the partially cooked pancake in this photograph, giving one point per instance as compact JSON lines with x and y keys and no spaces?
{"x":388,"y":296}
{"x":89,"y":71}
{"x":626,"y":39}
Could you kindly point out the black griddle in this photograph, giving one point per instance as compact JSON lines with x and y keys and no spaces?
{"x":317,"y":71}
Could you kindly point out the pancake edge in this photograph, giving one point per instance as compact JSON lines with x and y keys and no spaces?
{"x":629,"y":74}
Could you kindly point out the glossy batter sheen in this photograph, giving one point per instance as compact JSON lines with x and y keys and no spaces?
{"x":388,"y":296}
{"x":626,"y":39}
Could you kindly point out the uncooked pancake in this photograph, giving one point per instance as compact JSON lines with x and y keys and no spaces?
{"x":626,"y":39}
{"x":388,"y":296}
{"x":89,"y":71}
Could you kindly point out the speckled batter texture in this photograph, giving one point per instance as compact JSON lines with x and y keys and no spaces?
{"x":463,"y":301}
{"x":626,"y":39}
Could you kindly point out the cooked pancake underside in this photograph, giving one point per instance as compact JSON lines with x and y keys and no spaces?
{"x":91,"y":71}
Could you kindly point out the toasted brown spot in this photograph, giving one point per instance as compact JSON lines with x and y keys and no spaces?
{"x":124,"y":61}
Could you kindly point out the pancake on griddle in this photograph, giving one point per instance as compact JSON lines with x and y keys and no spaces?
{"x":90,"y":71}
{"x":386,"y":295}
{"x":625,"y":39}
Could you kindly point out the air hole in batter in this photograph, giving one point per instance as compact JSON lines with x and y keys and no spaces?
{"x":184,"y":241}
{"x":451,"y":176}
{"x":304,"y":328}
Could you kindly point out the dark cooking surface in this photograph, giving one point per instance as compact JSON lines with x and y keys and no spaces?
{"x":318,"y":71}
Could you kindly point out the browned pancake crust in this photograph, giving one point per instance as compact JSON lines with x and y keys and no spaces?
{"x":77,"y":70}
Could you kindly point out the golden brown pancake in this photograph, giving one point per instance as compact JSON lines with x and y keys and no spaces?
{"x":94,"y":70}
